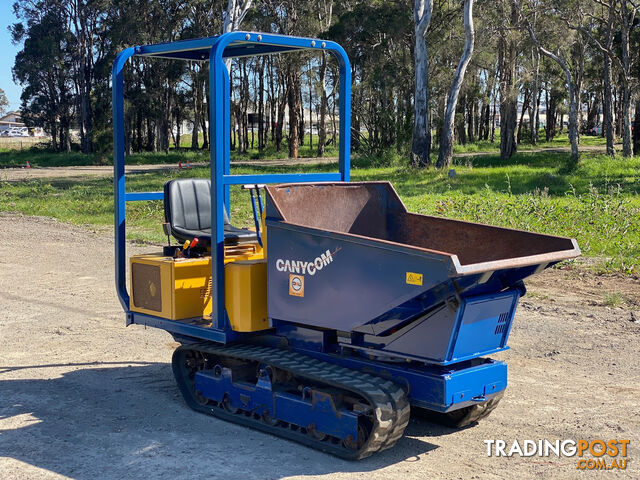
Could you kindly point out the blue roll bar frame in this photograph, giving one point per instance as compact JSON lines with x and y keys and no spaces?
{"x":215,"y":50}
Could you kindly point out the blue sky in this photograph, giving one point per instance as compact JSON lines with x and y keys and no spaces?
{"x":7,"y":59}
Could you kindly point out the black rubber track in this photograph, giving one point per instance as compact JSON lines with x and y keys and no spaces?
{"x":389,"y":401}
{"x":460,"y":418}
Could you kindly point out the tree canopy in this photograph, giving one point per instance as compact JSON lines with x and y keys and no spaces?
{"x":541,"y":59}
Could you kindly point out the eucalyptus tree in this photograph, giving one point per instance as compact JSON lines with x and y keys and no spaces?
{"x":325,"y":19}
{"x":445,"y":154}
{"x":508,"y":50}
{"x":559,"y":49}
{"x":421,"y":143}
{"x":79,"y":22}
{"x":615,"y":19}
{"x":42,"y":68}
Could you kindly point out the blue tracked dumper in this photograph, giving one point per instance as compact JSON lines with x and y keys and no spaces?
{"x":341,"y":311}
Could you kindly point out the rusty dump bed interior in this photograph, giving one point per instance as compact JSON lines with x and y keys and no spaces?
{"x":374,"y":210}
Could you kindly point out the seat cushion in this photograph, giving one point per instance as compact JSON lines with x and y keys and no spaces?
{"x":187,"y":209}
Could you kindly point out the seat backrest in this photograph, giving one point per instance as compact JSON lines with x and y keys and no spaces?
{"x":187,"y":206}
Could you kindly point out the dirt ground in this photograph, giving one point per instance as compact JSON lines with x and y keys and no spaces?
{"x":83,"y":397}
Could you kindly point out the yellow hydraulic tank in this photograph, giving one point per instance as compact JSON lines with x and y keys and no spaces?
{"x":246,"y":295}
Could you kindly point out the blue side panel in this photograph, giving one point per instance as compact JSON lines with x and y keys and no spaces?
{"x":453,"y":332}
{"x":484,"y":325}
{"x":471,"y":386}
{"x":346,"y":282}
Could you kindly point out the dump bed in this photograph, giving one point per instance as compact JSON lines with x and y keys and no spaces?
{"x":356,"y":253}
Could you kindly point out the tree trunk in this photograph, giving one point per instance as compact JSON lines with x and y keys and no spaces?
{"x":593,"y":112}
{"x":282,"y":102}
{"x":573,"y":95}
{"x":471,"y":117}
{"x":445,"y":155}
{"x":607,"y":96}
{"x":322,"y":128}
{"x":493,"y":122}
{"x":272,"y":98}
{"x":54,"y":135}
{"x":607,"y":107}
{"x":301,"y":128}
{"x":573,"y":116}
{"x":460,"y":122}
{"x":578,"y":60}
{"x":310,"y":83}
{"x":261,"y":66}
{"x":334,"y":123}
{"x":627,"y":22}
{"x":421,"y":141}
{"x":525,"y":106}
{"x":178,"y":117}
{"x":197,"y":102}
{"x":535,"y":101}
{"x":507,"y":57}
{"x":551,"y":104}
{"x":617,"y":109}
{"x":293,"y":80}
{"x":636,"y":130}
{"x":239,"y":127}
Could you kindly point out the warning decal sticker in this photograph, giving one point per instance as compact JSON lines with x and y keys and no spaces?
{"x":296,"y":285}
{"x":414,"y":278}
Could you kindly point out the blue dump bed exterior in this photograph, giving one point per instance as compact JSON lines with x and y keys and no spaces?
{"x":349,"y":257}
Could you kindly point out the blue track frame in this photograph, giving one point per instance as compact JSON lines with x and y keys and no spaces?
{"x":215,"y":50}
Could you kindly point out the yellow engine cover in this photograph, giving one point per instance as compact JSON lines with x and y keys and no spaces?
{"x":181,"y":288}
{"x":171,"y":288}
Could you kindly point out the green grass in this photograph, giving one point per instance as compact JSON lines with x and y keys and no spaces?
{"x":40,"y":157}
{"x":614,"y":299}
{"x":561,"y":140}
{"x":597,"y":202}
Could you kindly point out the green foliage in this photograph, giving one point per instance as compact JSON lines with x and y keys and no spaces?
{"x":4,"y":102}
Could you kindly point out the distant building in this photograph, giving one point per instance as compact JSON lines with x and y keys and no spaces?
{"x":11,"y":119}
{"x":14,"y":120}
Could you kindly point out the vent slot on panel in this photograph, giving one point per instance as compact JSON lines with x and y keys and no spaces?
{"x":205,"y":292}
{"x":501,"y":327}
{"x":146,"y":285}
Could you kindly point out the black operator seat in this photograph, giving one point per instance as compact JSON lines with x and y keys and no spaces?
{"x":187,"y":210}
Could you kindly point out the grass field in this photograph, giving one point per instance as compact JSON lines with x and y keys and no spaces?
{"x":597,"y":202}
{"x":40,"y":156}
